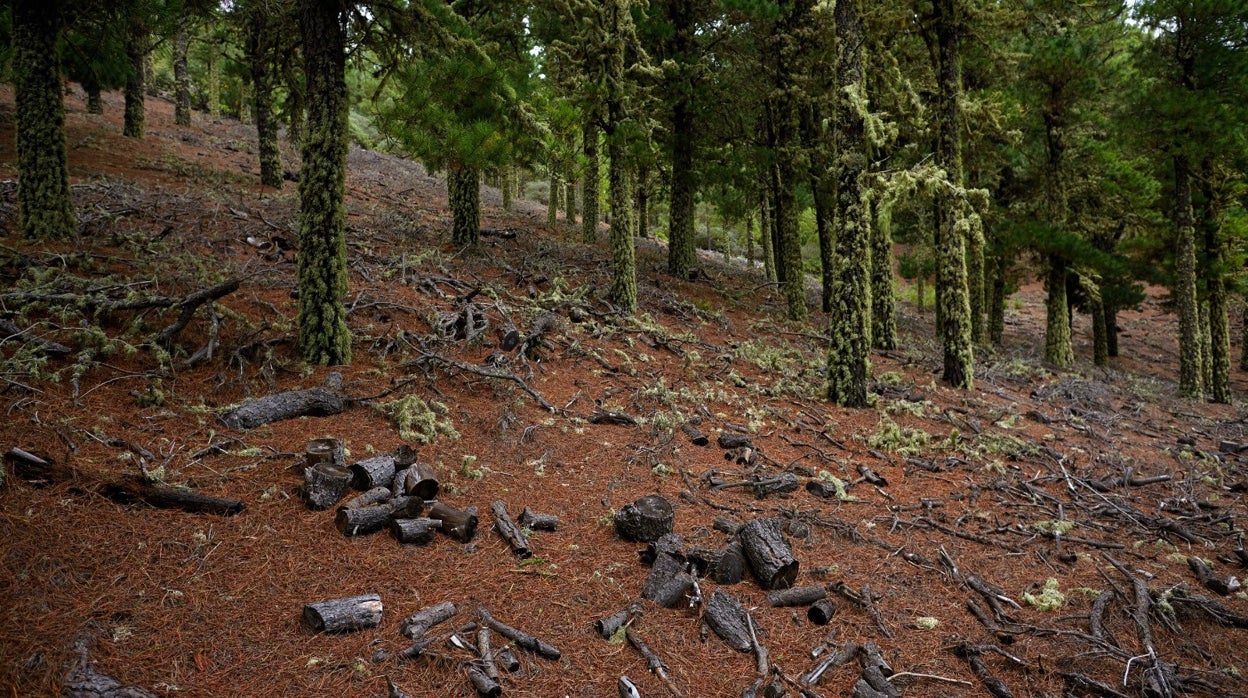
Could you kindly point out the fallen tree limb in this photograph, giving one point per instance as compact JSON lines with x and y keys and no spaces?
{"x":653,"y":662}
{"x":312,"y":402}
{"x":523,"y":639}
{"x":190,"y":303}
{"x":12,"y":331}
{"x":487,"y":373}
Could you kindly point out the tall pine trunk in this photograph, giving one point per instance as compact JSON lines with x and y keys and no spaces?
{"x":569,"y":200}
{"x":214,"y":83}
{"x":954,"y":308}
{"x":975,"y":283}
{"x":749,"y":241}
{"x":996,"y":304}
{"x":623,"y":292}
{"x":1218,"y":330}
{"x":322,"y":260}
{"x":1190,"y":370}
{"x":95,"y":105}
{"x":591,"y":182}
{"x":463,"y":186}
{"x":505,"y":181}
{"x":883,"y":299}
{"x":552,"y":196}
{"x":136,"y":53}
{"x":825,"y":230}
{"x":260,"y":52}
{"x":765,"y":221}
{"x":1100,"y":336}
{"x":182,"y":76}
{"x":643,"y":204}
{"x":681,"y":250}
{"x":45,"y":209}
{"x":1058,"y":349}
{"x":849,"y":364}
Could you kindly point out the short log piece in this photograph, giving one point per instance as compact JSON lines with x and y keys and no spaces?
{"x":796,"y":596}
{"x":538,"y":522}
{"x":324,"y":451}
{"x":407,"y":507}
{"x":768,"y":553}
{"x":607,"y":627}
{"x":668,"y":584}
{"x":507,"y":659}
{"x":376,"y":495}
{"x":485,"y":686}
{"x":377,"y":471}
{"x":725,"y":615}
{"x":645,"y":520}
{"x":731,"y":441}
{"x":460,"y":525}
{"x":343,"y":615}
{"x":422,"y":481}
{"x":415,"y":531}
{"x":778,"y":484}
{"x":416,"y":625}
{"x":361,"y":521}
{"x":313,"y":402}
{"x":821,"y":611}
{"x":509,"y":531}
{"x":130,"y":490}
{"x":724,"y":566}
{"x":697,"y":438}
{"x":324,"y":484}
{"x":404,"y":457}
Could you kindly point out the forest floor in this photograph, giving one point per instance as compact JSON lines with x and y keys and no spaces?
{"x":1137,"y":484}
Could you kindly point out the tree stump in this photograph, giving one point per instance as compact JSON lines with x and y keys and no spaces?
{"x":668,"y":584}
{"x":343,"y":615}
{"x":415,"y":531}
{"x":460,"y":525}
{"x":768,"y":553}
{"x":324,"y":484}
{"x":797,"y":596}
{"x":422,"y":481}
{"x":361,"y":521}
{"x":416,"y":625}
{"x":725,"y":615}
{"x":645,"y":520}
{"x":324,"y":451}
{"x":373,"y":472}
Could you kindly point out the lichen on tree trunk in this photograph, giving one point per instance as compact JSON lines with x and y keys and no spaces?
{"x":591,"y":183}
{"x":136,"y":52}
{"x":765,"y":236}
{"x":214,"y":83}
{"x":996,"y":304}
{"x":463,"y":186}
{"x":322,"y":258}
{"x":975,"y":283}
{"x":623,"y":292}
{"x":181,"y":76}
{"x":552,"y":197}
{"x":681,"y":251}
{"x":45,"y":208}
{"x":1190,"y":370}
{"x":883,"y":299}
{"x":260,"y":53}
{"x":1057,"y":341}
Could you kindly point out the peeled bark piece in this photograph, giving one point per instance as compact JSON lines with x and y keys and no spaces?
{"x":343,"y":615}
{"x":725,"y":615}
{"x":416,"y":625}
{"x":538,"y":522}
{"x":361,"y":521}
{"x":730,"y":441}
{"x":415,"y":531}
{"x":421,"y":481}
{"x":460,"y":525}
{"x":645,"y":520}
{"x":324,"y":484}
{"x":373,"y":472}
{"x":509,"y":531}
{"x":374,"y":496}
{"x":821,"y":611}
{"x":313,"y":402}
{"x":797,"y":596}
{"x":779,"y":484}
{"x":668,"y":584}
{"x":726,"y":566}
{"x":768,"y":553}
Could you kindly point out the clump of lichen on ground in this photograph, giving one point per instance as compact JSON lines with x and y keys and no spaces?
{"x":417,"y":421}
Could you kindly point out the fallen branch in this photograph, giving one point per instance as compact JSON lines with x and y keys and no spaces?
{"x":653,"y":662}
{"x":487,"y":373}
{"x":523,"y":639}
{"x":190,"y":303}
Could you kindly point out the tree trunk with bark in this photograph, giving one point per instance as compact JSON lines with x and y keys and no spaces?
{"x":681,"y":251}
{"x":765,"y":235}
{"x":883,"y":299}
{"x":996,"y":303}
{"x":45,"y":208}
{"x":136,"y":52}
{"x":95,"y":105}
{"x":260,"y":53}
{"x":214,"y":84}
{"x":590,"y":184}
{"x":181,"y":75}
{"x":463,"y":186}
{"x":1058,"y":349}
{"x":1190,"y":370}
{"x":322,"y":260}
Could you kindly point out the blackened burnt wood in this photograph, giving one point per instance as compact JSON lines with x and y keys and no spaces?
{"x":606,"y":627}
{"x":482,"y":683}
{"x":777,"y":484}
{"x":768,"y":553}
{"x":312,"y":402}
{"x":821,"y":611}
{"x":696,"y":437}
{"x":373,"y":472}
{"x":407,"y":507}
{"x":538,"y":522}
{"x":1206,"y":576}
{"x":324,"y":484}
{"x":343,"y":615}
{"x":797,"y":596}
{"x":422,"y":481}
{"x":668,"y":584}
{"x":417,"y":648}
{"x":9,"y":330}
{"x":821,"y":489}
{"x":522,"y":639}
{"x":994,"y":685}
{"x":645,"y":520}
{"x":507,"y":660}
{"x":416,"y":625}
{"x":727,"y":525}
{"x":669,"y":543}
{"x":726,"y":566}
{"x":415,"y":531}
{"x":618,"y":419}
{"x":131,"y":490}
{"x":37,"y":468}
{"x":460,"y":525}
{"x":725,"y":615}
{"x":376,"y":495}
{"x":509,"y":531}
{"x":361,"y":521}
{"x":731,"y":441}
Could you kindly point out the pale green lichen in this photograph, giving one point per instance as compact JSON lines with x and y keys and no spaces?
{"x":418,"y":421}
{"x":904,"y":441}
{"x":1050,"y":597}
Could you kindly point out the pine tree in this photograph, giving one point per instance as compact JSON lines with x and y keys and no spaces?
{"x":262,"y":46}
{"x":45,"y":209}
{"x":591,"y":182}
{"x":181,"y":73}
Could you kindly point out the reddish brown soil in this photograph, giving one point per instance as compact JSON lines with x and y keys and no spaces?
{"x":196,"y":605}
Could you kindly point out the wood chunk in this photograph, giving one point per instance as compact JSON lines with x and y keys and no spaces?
{"x":482,"y":683}
{"x":725,"y":615}
{"x":312,"y":402}
{"x":696,"y":437}
{"x":361,"y":521}
{"x":768,"y":553}
{"x":606,"y":627}
{"x":416,"y":625}
{"x":778,"y":484}
{"x":821,"y":611}
{"x":669,"y":543}
{"x":1206,"y":576}
{"x":407,"y":507}
{"x":645,"y":520}
{"x":415,"y":531}
{"x":460,"y":525}
{"x":343,"y":615}
{"x":373,"y":496}
{"x":507,"y":660}
{"x":668,"y":584}
{"x":727,"y":525}
{"x":796,"y":596}
{"x":369,"y":473}
{"x":538,"y":522}
{"x":509,"y":531}
{"x":618,"y":419}
{"x":725,"y":566}
{"x":729,"y":441}
{"x":422,"y":481}
{"x":320,"y":451}
{"x":821,"y":489}
{"x":324,"y":484}
{"x":521,"y":638}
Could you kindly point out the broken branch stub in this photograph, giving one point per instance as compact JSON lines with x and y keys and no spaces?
{"x":538,"y":522}
{"x":768,"y":553}
{"x":416,"y":625}
{"x":645,"y":520}
{"x":343,"y":615}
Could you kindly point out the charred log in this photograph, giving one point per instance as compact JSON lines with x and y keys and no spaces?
{"x":538,"y":522}
{"x":313,"y":402}
{"x":373,"y":472}
{"x":522,"y":639}
{"x":725,"y":615}
{"x":768,"y":553}
{"x":416,"y":625}
{"x":343,"y":615}
{"x":668,"y":584}
{"x":460,"y":525}
{"x":509,"y":531}
{"x":415,"y":531}
{"x":645,"y":520}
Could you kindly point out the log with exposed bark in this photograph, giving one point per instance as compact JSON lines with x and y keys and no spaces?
{"x":697,"y":438}
{"x":415,"y":531}
{"x":725,"y":615}
{"x":607,"y":627}
{"x":776,"y":484}
{"x":509,"y":531}
{"x":460,"y":525}
{"x":416,"y":625}
{"x":482,"y":683}
{"x":538,"y":522}
{"x":376,"y":495}
{"x":361,"y":521}
{"x":768,"y":553}
{"x":668,"y":584}
{"x":132,"y":489}
{"x":311,"y":402}
{"x":421,"y":481}
{"x":725,"y":566}
{"x":821,"y":611}
{"x":324,"y":484}
{"x":797,"y":596}
{"x":377,"y":471}
{"x":521,"y":638}
{"x":343,"y":615}
{"x":645,"y":520}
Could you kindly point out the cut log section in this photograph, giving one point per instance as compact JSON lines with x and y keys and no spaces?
{"x":821,"y":611}
{"x":778,"y":484}
{"x":645,"y":520}
{"x":731,"y":441}
{"x":668,"y":584}
{"x":725,"y":615}
{"x":376,"y":495}
{"x":796,"y":596}
{"x":696,"y":437}
{"x":460,"y":525}
{"x":482,"y":683}
{"x":373,"y":472}
{"x":324,"y":484}
{"x":768,"y":553}
{"x":361,"y":521}
{"x":422,"y":481}
{"x":538,"y":522}
{"x":509,"y":531}
{"x":609,"y":626}
{"x":343,"y":615}
{"x":415,"y":531}
{"x":313,"y":402}
{"x":407,"y":507}
{"x":404,"y":457}
{"x":726,"y":566}
{"x":416,"y":625}
{"x":321,"y":451}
